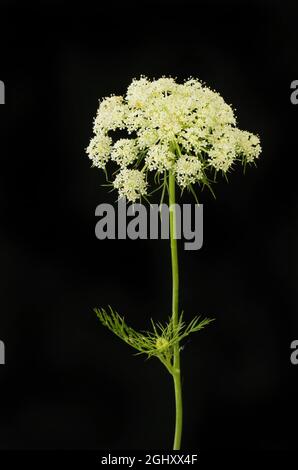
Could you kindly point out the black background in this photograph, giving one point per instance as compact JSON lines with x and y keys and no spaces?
{"x":68,"y":383}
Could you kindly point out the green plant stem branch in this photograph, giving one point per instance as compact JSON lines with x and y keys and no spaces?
{"x":175,"y":314}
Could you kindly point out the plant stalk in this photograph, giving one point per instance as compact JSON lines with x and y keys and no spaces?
{"x":175,"y":314}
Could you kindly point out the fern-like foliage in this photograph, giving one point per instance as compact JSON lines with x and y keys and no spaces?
{"x":159,"y":342}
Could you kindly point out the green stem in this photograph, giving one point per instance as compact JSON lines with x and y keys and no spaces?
{"x":175,"y":314}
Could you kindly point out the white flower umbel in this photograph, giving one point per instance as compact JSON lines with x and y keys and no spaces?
{"x":185,"y":133}
{"x":248,"y":144}
{"x":159,"y":158}
{"x":124,"y":152}
{"x":164,"y":120}
{"x":110,"y":115}
{"x":130,"y":184}
{"x":188,"y":170}
{"x":99,"y":150}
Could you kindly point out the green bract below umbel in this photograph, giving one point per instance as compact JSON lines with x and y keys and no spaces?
{"x":159,"y":342}
{"x":186,"y":129}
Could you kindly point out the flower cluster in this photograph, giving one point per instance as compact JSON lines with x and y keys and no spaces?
{"x":130,"y":184}
{"x":187,"y":129}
